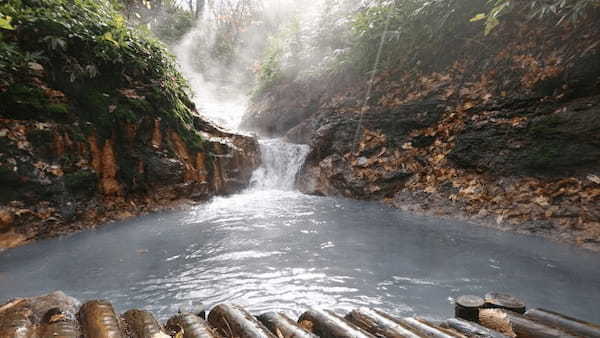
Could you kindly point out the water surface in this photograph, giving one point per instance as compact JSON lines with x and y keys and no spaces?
{"x":281,"y":250}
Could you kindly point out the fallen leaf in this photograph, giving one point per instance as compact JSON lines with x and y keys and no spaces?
{"x":594,"y":179}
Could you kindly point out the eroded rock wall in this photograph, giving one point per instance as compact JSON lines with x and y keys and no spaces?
{"x":61,"y":177}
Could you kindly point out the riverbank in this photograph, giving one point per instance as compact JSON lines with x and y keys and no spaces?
{"x":500,"y":128}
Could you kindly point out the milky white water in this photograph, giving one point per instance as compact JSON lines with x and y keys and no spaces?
{"x":272,"y":248}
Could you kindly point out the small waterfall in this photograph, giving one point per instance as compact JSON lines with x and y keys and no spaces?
{"x":281,"y":161}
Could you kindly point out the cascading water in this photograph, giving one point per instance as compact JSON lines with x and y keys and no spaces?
{"x":281,"y":162}
{"x":226,"y":106}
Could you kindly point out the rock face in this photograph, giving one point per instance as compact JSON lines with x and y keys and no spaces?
{"x":507,"y":134}
{"x":54,"y":180}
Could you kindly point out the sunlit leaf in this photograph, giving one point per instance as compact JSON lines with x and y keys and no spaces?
{"x":5,"y":23}
{"x":109,"y":37}
{"x":478,"y":17}
{"x":490,"y":25}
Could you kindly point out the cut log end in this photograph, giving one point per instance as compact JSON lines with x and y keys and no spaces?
{"x":504,"y":301}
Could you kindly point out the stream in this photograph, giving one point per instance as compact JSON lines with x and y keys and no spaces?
{"x":273,"y":248}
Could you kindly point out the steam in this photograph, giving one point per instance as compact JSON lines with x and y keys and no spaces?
{"x":221,"y":90}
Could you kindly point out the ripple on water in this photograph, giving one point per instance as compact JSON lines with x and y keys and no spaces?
{"x":287,"y":251}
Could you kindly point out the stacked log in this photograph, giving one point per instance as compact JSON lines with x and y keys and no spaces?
{"x":283,"y":326}
{"x":57,"y":315}
{"x":234,"y":321}
{"x":467,"y":307}
{"x":568,"y":324}
{"x":99,"y":320}
{"x":60,"y":323}
{"x":142,"y":324}
{"x":378,"y":325}
{"x":471,"y":329}
{"x":189,"y":325}
{"x":327,"y":324}
{"x":496,"y":300}
{"x":513,"y":324}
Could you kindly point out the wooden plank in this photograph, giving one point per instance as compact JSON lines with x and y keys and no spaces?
{"x":283,"y":326}
{"x":557,"y":320}
{"x":189,"y":325}
{"x":98,"y":320}
{"x":327,"y":324}
{"x":513,"y":324}
{"x":234,"y":321}
{"x":142,"y":324}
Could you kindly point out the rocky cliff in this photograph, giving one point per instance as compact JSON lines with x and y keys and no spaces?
{"x":502,"y":129}
{"x":95,"y":125}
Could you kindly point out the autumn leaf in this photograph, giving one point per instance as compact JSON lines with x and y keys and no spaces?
{"x":594,"y":178}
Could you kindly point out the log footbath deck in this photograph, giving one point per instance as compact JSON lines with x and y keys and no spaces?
{"x":496,"y":316}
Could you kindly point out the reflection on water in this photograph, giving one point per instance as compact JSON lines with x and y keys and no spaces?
{"x":281,"y":250}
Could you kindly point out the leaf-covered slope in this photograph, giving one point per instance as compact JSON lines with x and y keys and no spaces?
{"x":501,"y":127}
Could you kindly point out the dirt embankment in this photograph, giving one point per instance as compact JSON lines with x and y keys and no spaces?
{"x":503,"y":130}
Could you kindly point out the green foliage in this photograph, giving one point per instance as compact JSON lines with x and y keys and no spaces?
{"x":5,"y":23}
{"x":559,"y":10}
{"x":173,"y":24}
{"x":89,"y":52}
{"x":408,"y":28}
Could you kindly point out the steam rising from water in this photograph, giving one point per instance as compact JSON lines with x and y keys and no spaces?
{"x":220,"y":104}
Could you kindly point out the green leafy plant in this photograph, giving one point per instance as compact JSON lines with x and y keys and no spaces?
{"x":560,"y":10}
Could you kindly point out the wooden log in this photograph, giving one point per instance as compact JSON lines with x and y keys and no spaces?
{"x":467,"y":307}
{"x":283,"y":326}
{"x":515,"y":325}
{"x":471,"y":329}
{"x":234,"y":321}
{"x":557,"y":320}
{"x":327,"y":324}
{"x":425,"y":328}
{"x":142,"y":324}
{"x":16,"y":320}
{"x":378,"y":325}
{"x":98,"y":320}
{"x":496,"y":300}
{"x":60,"y":323}
{"x":190,"y":326}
